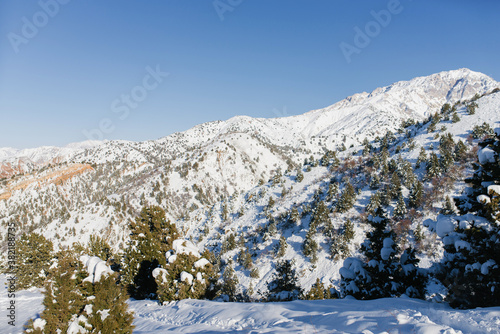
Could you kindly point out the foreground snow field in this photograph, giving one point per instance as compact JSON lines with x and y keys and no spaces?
{"x":324,"y":316}
{"x":388,"y":315}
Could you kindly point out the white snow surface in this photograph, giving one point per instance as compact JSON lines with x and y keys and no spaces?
{"x":201,"y":263}
{"x":160,"y":272}
{"x":389,"y":315}
{"x":486,"y":155}
{"x":494,"y":189}
{"x":187,"y":277}
{"x":96,"y":268}
{"x":75,"y":328}
{"x":181,"y":246}
{"x":445,"y":225}
{"x":403,"y":315}
{"x":483,"y":199}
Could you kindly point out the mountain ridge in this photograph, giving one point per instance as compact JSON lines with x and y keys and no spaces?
{"x":246,"y":177}
{"x":451,"y":86}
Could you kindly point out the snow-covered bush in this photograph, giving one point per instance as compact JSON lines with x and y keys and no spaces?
{"x":186,"y":274}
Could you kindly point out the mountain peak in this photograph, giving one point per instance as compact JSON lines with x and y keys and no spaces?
{"x":421,"y":95}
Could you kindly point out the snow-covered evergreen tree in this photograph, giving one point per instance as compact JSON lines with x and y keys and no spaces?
{"x":347,"y":199}
{"x":285,"y":284}
{"x":382,"y":273}
{"x":472,"y":259}
{"x":34,"y":254}
{"x":151,"y":237}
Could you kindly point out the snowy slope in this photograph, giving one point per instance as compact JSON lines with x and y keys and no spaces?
{"x":194,"y":174}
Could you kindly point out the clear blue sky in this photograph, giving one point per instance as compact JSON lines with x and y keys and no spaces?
{"x":263,"y":59}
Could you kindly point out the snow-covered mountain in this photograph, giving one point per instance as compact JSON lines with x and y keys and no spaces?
{"x":216,"y":179}
{"x":357,"y":116}
{"x":14,"y":161}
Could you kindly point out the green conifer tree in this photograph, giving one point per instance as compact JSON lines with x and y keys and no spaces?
{"x":300,"y":176}
{"x":374,"y":203}
{"x":151,"y":237}
{"x":317,"y":292}
{"x":63,"y":296}
{"x":310,"y":246}
{"x":282,"y":247}
{"x":400,"y":210}
{"x":34,"y":255}
{"x":285,"y":282}
{"x":471,"y":270}
{"x":448,"y":207}
{"x":110,"y":312}
{"x":422,"y":157}
{"x":460,"y":151}
{"x":416,"y":195}
{"x":434,"y":167}
{"x":340,"y":241}
{"x":471,"y":108}
{"x":295,"y":215}
{"x":347,"y":199}
{"x":230,"y":282}
{"x":99,"y":247}
{"x":396,"y":186}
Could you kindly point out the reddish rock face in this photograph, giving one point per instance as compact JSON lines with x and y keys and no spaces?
{"x":6,"y":170}
{"x":58,"y":176}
